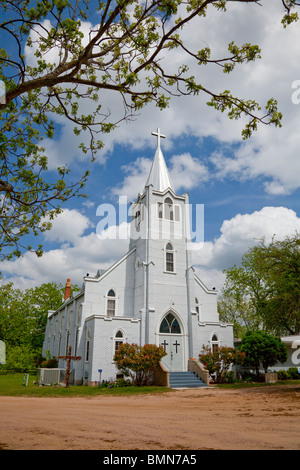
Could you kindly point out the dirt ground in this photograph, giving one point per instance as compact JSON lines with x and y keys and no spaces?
{"x":199,"y":419}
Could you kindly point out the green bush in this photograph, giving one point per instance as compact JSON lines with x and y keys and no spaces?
{"x":228,"y":378}
{"x":51,"y":363}
{"x":115,"y":384}
{"x":283,"y":375}
{"x":293,"y":373}
{"x":20,"y":358}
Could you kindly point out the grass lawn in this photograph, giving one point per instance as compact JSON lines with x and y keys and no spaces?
{"x":258,"y":384}
{"x":12,"y":385}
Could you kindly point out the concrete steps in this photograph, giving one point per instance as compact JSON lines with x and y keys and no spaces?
{"x":185,"y":380}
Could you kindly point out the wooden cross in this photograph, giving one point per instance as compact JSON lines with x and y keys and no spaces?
{"x":159,"y":135}
{"x":164,"y":344}
{"x":69,"y":358}
{"x":176,"y":345}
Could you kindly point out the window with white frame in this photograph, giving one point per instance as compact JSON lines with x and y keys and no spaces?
{"x":111,"y":303}
{"x":88,"y":344}
{"x":62,"y":322}
{"x":215,"y":343}
{"x":76,"y":340}
{"x":79,"y":314}
{"x":139,"y":215}
{"x":169,"y":210}
{"x":170,"y":261}
{"x":67,"y":341}
{"x":160,"y":210}
{"x":59,"y":344}
{"x":55,"y":327}
{"x":119,"y":340}
{"x":69,"y":319}
{"x":177,"y":213}
{"x":137,"y":218}
{"x":197,"y":308}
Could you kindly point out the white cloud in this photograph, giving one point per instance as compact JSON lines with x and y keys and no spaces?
{"x":186,"y":172}
{"x":87,"y":255}
{"x":90,"y":252}
{"x":67,"y":226}
{"x":238,"y":235}
{"x":77,"y":253}
{"x":136,"y":176}
{"x":241,"y":233}
{"x":271,"y":153}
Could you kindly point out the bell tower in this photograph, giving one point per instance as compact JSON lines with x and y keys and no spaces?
{"x":160,"y":234}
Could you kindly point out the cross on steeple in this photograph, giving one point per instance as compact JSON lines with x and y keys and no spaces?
{"x":159,"y":176}
{"x":159,"y":135}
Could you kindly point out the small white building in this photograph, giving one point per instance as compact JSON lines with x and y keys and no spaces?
{"x":151,"y":295}
{"x":292,"y":344}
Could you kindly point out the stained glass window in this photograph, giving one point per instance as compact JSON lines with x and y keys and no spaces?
{"x":170,"y":325}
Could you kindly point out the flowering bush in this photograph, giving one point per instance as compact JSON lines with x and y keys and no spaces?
{"x":218,"y":361}
{"x":138,"y":362}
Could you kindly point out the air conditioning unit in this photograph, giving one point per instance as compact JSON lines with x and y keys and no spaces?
{"x":53,"y":376}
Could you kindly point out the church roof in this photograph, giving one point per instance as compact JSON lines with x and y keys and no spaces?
{"x":159,"y":176}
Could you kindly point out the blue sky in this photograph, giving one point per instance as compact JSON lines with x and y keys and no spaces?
{"x":249,"y":189}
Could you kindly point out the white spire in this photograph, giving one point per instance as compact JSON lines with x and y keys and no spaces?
{"x":159,"y":176}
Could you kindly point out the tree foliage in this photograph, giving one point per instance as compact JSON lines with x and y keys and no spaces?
{"x":138,"y":362}
{"x":263,"y":293}
{"x":261,"y":348}
{"x":23,"y":318}
{"x":74,"y":60}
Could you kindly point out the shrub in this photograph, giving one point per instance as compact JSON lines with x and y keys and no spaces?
{"x":51,"y":363}
{"x":138,"y":362}
{"x":293,"y":373}
{"x":20,"y":358}
{"x":283,"y":375}
{"x":260,"y":347}
{"x":115,"y":384}
{"x":218,"y":361}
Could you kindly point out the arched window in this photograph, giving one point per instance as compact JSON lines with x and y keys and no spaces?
{"x":62,"y":323}
{"x":119,"y":339}
{"x":55,"y":326}
{"x":170,"y":258}
{"x":215,"y":343}
{"x":197,"y":307}
{"x":160,"y":210}
{"x":177,"y":213}
{"x":69,"y":320}
{"x":88,"y":341}
{"x":76,"y":340}
{"x":170,"y":325}
{"x":111,"y":303}
{"x":137,"y":218}
{"x":169,"y":211}
{"x":139,"y":215}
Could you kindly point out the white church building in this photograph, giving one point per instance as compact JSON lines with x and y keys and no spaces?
{"x":150,"y":296}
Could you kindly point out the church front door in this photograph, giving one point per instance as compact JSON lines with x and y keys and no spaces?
{"x":171,"y":340}
{"x":172,"y":345}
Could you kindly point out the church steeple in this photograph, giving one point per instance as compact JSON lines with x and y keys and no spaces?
{"x":159,"y":176}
